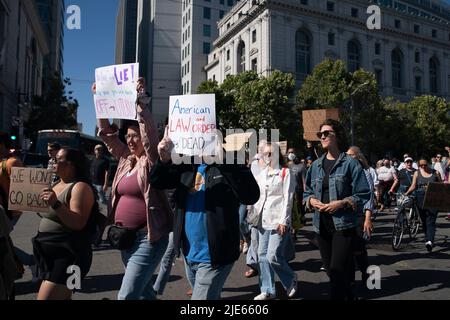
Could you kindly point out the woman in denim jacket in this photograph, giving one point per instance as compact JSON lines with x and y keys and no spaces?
{"x":336,"y":188}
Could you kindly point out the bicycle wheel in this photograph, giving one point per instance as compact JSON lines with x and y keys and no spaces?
{"x":414,"y":223}
{"x":397,"y":231}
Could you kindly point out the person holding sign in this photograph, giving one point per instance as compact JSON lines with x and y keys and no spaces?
{"x":64,"y":237}
{"x":139,"y":211}
{"x":421,"y":179}
{"x":206,"y":227}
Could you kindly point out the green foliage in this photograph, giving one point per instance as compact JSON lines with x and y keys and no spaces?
{"x":52,"y":110}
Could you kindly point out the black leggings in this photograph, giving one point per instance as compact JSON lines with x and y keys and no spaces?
{"x":336,"y":250}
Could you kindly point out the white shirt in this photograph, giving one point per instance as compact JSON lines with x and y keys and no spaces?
{"x":386,"y":174}
{"x":276,"y":198}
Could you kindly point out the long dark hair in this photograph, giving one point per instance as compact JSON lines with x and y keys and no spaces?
{"x":339,"y":131}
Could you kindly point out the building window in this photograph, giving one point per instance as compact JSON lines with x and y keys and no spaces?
{"x":304,"y":2}
{"x":255,"y":65}
{"x":397,"y":69}
{"x":434,"y":75}
{"x":230,"y":3}
{"x":253,"y":36}
{"x":355,"y":12}
{"x":228,"y":55}
{"x":417,"y":57}
{"x":206,"y":47}
{"x":207,"y":13}
{"x":330,"y":6}
{"x":187,"y":71}
{"x":222,"y":1}
{"x":379,"y":78}
{"x":416,"y":28}
{"x":206,"y":30}
{"x":418,"y":82}
{"x":398,"y":24}
{"x":221,"y":14}
{"x":354,"y":55}
{"x":214,"y":77}
{"x":302,"y":54}
{"x":434,"y":33}
{"x":241,"y":55}
{"x":331,"y":38}
{"x":377,"y":48}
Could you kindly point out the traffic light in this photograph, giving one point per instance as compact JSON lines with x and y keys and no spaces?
{"x":15,"y":136}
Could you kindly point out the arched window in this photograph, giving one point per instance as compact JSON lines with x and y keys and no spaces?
{"x":434,"y":75}
{"x":302,"y":54}
{"x":397,"y":69}
{"x":241,"y":55}
{"x":354,"y":55}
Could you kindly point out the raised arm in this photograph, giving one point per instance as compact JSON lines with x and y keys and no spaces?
{"x":147,"y":127}
{"x":413,"y":184}
{"x":110,"y":136}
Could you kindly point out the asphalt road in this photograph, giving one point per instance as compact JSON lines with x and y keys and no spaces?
{"x":410,"y":273}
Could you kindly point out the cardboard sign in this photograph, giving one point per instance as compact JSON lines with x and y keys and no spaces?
{"x":283,"y":147}
{"x":25,"y":188}
{"x":116,"y":94}
{"x":192,"y":124}
{"x":312,"y":119}
{"x":437,"y":197}
{"x":236,"y":141}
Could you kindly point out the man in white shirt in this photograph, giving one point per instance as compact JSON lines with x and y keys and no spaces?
{"x":403,"y":164}
{"x":386,"y":175}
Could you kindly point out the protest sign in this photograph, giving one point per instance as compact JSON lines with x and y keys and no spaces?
{"x":236,"y":141}
{"x":312,"y":119}
{"x":116,"y":94}
{"x":192,"y":124}
{"x":437,"y":197}
{"x":283,"y":147}
{"x":25,"y":188}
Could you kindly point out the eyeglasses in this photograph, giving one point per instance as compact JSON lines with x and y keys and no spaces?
{"x":409,"y":161}
{"x":325,"y":133}
{"x":132,"y":136}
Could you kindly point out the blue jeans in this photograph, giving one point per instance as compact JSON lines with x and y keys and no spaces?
{"x":271,"y":249}
{"x":243,"y":225}
{"x":101,"y":193}
{"x":140,"y":263}
{"x":207,"y":283}
{"x":428,"y":218}
{"x":165,"y":267}
{"x":252,"y":253}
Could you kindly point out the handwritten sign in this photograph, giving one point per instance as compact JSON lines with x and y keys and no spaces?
{"x":25,"y":188}
{"x":192,"y":124}
{"x":312,"y":119}
{"x":236,"y":141}
{"x":437,"y":197}
{"x":116,"y":94}
{"x":283,"y":147}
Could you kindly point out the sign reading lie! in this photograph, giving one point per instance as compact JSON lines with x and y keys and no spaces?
{"x":116,"y":94}
{"x":25,"y":188}
{"x":192,"y":124}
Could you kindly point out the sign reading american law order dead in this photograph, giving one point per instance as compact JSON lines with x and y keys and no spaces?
{"x":26,"y":186}
{"x":192,"y":124}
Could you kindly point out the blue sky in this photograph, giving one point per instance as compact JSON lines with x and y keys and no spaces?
{"x":84,"y":50}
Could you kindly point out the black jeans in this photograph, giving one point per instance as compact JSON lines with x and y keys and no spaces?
{"x":428,"y":218}
{"x":336,"y":249}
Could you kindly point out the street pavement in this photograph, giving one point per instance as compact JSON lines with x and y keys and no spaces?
{"x":410,"y":273}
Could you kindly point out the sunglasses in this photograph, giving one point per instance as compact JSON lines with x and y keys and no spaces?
{"x":409,"y":161}
{"x":325,"y":133}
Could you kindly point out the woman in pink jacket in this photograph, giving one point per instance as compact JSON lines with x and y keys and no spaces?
{"x":135,"y":205}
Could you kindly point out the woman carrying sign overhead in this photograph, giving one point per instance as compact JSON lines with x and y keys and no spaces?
{"x":141,"y":214}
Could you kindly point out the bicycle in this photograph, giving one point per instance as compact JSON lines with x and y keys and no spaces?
{"x":407,"y":220}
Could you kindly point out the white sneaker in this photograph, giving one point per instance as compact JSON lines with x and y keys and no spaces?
{"x":264,"y":296}
{"x":293,"y":288}
{"x":429,"y":246}
{"x":245,"y":248}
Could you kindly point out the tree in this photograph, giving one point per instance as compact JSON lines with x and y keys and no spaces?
{"x":429,"y":123}
{"x":53,"y":110}
{"x":247,"y":101}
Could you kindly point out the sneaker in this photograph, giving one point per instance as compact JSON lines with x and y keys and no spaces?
{"x":322,"y":268}
{"x":293,"y":288}
{"x":429,"y":246}
{"x":264,"y":296}
{"x":245,"y":247}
